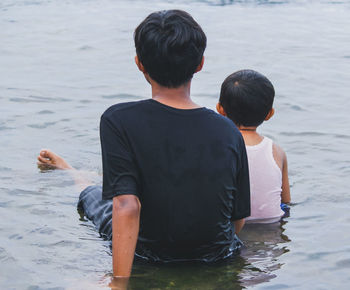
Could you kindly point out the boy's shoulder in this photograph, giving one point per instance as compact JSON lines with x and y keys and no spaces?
{"x":210,"y":119}
{"x":277,"y":149}
{"x":123,"y":107}
{"x":224,"y":129}
{"x":278,"y":153}
{"x":225,"y":123}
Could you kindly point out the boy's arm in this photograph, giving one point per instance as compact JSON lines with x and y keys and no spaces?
{"x":285,"y":194}
{"x":281,"y":160}
{"x":238,"y":225}
{"x":125,"y":229}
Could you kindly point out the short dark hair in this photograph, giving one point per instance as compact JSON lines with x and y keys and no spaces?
{"x":247,"y":97}
{"x":170,"y":45}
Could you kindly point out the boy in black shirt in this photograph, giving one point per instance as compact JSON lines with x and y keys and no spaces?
{"x":185,"y":165}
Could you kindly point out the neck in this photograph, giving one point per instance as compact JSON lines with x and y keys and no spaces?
{"x":250,"y":136}
{"x":247,"y":130}
{"x":174,"y":97}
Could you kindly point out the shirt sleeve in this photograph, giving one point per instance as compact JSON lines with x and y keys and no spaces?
{"x":120,"y":175}
{"x":242,"y":196}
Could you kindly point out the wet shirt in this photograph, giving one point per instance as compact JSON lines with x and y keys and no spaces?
{"x":189,"y":170}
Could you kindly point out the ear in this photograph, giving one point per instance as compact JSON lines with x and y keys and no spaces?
{"x":220,"y":109}
{"x":270,"y":114}
{"x":139,"y":64}
{"x":200,"y":66}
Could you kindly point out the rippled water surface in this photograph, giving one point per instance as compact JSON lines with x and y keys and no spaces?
{"x":62,"y":63}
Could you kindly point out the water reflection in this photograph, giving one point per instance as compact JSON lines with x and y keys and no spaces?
{"x":255,"y":264}
{"x":264,"y":244}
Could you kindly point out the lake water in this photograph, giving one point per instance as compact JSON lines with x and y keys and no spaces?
{"x":62,"y":63}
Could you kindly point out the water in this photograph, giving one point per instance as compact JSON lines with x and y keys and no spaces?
{"x":62,"y":63}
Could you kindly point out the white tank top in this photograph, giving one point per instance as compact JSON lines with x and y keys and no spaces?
{"x":265,"y":183}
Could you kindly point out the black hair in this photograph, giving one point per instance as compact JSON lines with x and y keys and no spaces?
{"x":170,"y":45}
{"x":247,"y":97}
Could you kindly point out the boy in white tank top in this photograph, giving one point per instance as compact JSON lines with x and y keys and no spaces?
{"x":246,"y":98}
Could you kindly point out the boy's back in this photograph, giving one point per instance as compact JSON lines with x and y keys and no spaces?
{"x":265,"y":177}
{"x":184,"y":167}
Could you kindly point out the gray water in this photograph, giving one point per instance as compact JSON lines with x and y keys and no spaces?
{"x":62,"y":63}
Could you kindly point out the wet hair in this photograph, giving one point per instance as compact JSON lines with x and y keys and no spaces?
{"x":247,"y":97}
{"x":170,"y":45}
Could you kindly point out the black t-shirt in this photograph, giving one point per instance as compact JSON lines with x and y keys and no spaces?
{"x":188,"y":168}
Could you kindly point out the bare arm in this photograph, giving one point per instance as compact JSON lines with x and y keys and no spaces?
{"x":238,"y":225}
{"x":281,"y":160}
{"x":125,"y":228}
{"x":285,"y":194}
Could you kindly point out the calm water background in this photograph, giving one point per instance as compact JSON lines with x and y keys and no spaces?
{"x":62,"y":63}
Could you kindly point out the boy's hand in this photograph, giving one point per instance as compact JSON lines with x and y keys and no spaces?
{"x":119,"y":283}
